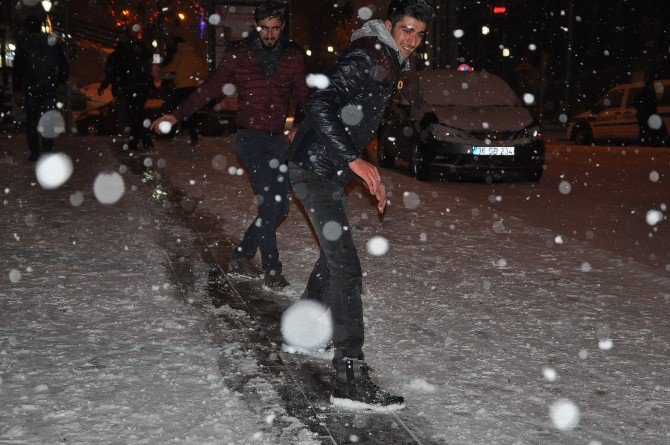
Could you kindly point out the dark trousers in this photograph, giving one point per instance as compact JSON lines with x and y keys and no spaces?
{"x":36,"y":105}
{"x":336,"y":279}
{"x":264,"y":154}
{"x":130,"y":103}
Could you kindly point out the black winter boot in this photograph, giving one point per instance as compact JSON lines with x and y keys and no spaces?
{"x":353,"y":388}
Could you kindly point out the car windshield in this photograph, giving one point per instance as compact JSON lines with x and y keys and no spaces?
{"x":465,"y":88}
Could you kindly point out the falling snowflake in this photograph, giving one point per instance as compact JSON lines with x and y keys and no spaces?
{"x":654,"y":217}
{"x":332,"y":230}
{"x":365,"y":13}
{"x":549,"y":374}
{"x":51,"y":124}
{"x":76,"y":199}
{"x":655,"y":122}
{"x":351,"y":114}
{"x":605,"y":344}
{"x":411,"y":200}
{"x":229,"y":89}
{"x":53,"y":170}
{"x":307,"y":325}
{"x":565,"y":187}
{"x":377,"y":246}
{"x":165,"y":127}
{"x":108,"y":188}
{"x":319,"y":81}
{"x":14,"y":276}
{"x":219,"y":162}
{"x":564,"y":414}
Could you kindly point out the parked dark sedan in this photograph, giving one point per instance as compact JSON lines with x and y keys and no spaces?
{"x":460,"y":124}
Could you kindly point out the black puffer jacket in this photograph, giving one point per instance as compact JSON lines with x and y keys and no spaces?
{"x":341,"y":120}
{"x":40,"y":65}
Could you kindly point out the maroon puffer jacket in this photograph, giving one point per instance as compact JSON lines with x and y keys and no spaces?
{"x":262,"y":100}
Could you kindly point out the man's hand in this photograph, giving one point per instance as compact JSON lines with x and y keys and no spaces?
{"x":291,"y":134}
{"x":370,"y":176}
{"x":161,"y":129}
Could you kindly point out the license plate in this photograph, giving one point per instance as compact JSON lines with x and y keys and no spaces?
{"x":492,"y":151}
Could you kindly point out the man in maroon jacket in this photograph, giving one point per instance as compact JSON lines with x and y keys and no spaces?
{"x":267,"y":70}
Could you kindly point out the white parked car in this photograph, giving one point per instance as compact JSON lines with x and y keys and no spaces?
{"x":613,"y":117}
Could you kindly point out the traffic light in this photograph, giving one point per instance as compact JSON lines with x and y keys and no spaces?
{"x":499,"y":9}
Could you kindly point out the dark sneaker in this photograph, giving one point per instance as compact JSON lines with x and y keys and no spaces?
{"x":242,"y":268}
{"x":353,"y":389}
{"x":274,"y":282}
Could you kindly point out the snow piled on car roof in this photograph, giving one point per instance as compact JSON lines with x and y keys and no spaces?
{"x":465,"y":88}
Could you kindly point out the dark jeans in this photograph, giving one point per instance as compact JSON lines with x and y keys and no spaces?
{"x":336,"y":278}
{"x":36,"y":105}
{"x":130,"y":103}
{"x":264,"y":153}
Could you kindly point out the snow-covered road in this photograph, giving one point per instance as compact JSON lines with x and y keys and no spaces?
{"x":483,"y":319}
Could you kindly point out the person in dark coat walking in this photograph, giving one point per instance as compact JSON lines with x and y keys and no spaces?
{"x":327,"y":153}
{"x":652,"y":128}
{"x":127,"y":70}
{"x":40,"y":67}
{"x":267,"y":70}
{"x":182,"y":72}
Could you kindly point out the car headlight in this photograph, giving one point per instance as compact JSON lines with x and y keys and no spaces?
{"x":533,"y":133}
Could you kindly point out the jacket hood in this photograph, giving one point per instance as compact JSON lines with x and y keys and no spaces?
{"x":376,"y":28}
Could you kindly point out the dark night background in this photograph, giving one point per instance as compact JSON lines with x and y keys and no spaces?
{"x":613,"y":41}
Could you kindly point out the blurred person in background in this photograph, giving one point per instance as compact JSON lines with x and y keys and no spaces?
{"x":652,"y":128}
{"x":128,"y":71}
{"x":40,"y":67}
{"x":181,"y":72}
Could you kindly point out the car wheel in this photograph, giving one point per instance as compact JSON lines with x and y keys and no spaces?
{"x":419,"y":162}
{"x":582,"y":135}
{"x":386,"y":150}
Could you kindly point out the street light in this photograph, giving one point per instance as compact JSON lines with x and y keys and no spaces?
{"x":46,"y":4}
{"x":486,"y":30}
{"x":331,"y":49}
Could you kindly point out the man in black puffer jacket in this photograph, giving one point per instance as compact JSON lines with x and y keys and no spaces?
{"x":340,"y":121}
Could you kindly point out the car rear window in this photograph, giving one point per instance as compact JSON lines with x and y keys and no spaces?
{"x":459,"y":88}
{"x":611,"y":99}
